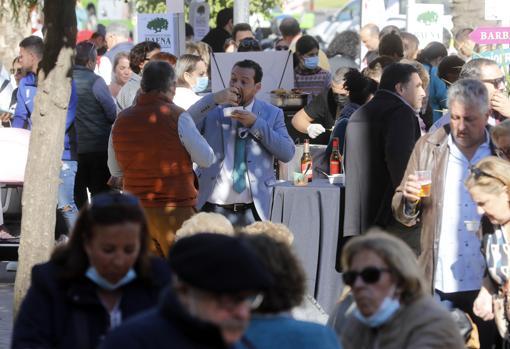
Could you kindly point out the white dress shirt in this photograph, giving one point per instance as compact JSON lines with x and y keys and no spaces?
{"x":223,"y":192}
{"x":460,"y":263}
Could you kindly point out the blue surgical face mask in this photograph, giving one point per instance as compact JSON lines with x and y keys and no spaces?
{"x":386,"y":310}
{"x":311,"y":62}
{"x":202,"y":82}
{"x":100,"y":281}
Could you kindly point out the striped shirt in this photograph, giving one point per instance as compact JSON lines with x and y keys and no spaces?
{"x":312,"y":81}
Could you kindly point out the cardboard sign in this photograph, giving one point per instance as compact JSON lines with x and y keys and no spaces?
{"x":158,"y":28}
{"x":425,"y":21}
{"x":113,"y":10}
{"x":276,"y":66}
{"x":199,"y":15}
{"x":491,"y":35}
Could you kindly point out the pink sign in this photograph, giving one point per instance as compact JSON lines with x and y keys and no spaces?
{"x":491,"y":35}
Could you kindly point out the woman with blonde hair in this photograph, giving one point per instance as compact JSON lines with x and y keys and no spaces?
{"x":120,"y":74}
{"x":392,"y":309}
{"x":192,"y":78}
{"x":205,"y":221}
{"x":488,"y":184}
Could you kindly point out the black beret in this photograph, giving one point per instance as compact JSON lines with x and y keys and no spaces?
{"x":218,"y":263}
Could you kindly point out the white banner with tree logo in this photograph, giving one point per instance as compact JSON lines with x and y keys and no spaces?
{"x":158,"y":28}
{"x":426,"y":22}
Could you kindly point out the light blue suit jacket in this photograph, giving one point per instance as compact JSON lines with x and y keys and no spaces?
{"x":267,"y":138}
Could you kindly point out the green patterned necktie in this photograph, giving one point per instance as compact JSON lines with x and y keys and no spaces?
{"x":239,"y":171}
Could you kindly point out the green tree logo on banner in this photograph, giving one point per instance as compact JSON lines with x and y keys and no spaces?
{"x":428,"y":18}
{"x":158,"y":24}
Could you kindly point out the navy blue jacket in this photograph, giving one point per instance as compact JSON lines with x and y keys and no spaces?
{"x":168,"y":326}
{"x":25,"y":106}
{"x":68,"y":314}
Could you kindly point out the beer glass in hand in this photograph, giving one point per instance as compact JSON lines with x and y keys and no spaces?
{"x":425,"y":180}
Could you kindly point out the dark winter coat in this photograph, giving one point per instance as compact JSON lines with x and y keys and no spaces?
{"x":168,"y":326}
{"x":380,"y":138}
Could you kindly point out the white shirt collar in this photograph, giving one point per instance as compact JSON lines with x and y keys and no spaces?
{"x":249,"y":107}
{"x":454,"y":149}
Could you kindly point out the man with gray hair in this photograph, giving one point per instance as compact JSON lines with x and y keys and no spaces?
{"x":450,"y":246}
{"x":155,"y":144}
{"x":117,"y":40}
{"x":488,"y":72}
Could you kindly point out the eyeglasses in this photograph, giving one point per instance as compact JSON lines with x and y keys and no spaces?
{"x":281,"y":48}
{"x":110,"y":199}
{"x":503,"y":152}
{"x":249,"y":44}
{"x":496,"y":82}
{"x":16,"y":71}
{"x":369,"y":275}
{"x":232,"y":301}
{"x":477,"y":173}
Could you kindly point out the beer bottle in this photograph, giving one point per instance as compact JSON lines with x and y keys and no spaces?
{"x":335,"y":159}
{"x":306,"y":161}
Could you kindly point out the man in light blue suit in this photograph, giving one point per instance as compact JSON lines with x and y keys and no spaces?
{"x":238,"y":184}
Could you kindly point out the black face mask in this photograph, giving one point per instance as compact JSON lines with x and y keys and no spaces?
{"x":101,"y":51}
{"x":341,"y":99}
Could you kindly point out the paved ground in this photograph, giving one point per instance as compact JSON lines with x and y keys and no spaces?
{"x":6,"y":298}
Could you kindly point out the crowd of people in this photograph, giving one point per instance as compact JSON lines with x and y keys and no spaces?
{"x":157,"y":166}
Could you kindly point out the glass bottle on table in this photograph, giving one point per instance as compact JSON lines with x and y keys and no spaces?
{"x":306,"y":162}
{"x":335,"y":159}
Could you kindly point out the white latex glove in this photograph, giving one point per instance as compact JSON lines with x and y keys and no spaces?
{"x":314,"y":130}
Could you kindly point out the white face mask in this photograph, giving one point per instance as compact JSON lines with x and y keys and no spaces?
{"x":386,"y":310}
{"x":201,"y":84}
{"x":100,"y":281}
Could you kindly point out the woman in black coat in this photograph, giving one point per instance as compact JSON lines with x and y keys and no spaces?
{"x":102,"y":276}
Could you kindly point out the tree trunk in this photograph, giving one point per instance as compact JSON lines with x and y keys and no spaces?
{"x":469,"y":14}
{"x":13,"y":31}
{"x":46,"y":142}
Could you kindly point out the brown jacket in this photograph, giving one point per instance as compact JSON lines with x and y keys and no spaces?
{"x":423,"y":324}
{"x":156,"y":166}
{"x":430,"y":153}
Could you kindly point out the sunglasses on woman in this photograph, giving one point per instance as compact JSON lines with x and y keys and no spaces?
{"x":369,"y":275}
{"x":503,"y":152}
{"x":477,"y":173}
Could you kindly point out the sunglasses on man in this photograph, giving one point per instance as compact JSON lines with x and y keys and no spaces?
{"x":496,"y":82}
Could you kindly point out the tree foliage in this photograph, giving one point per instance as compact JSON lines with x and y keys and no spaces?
{"x":159,"y":6}
{"x":150,"y":6}
{"x":256,"y":6}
